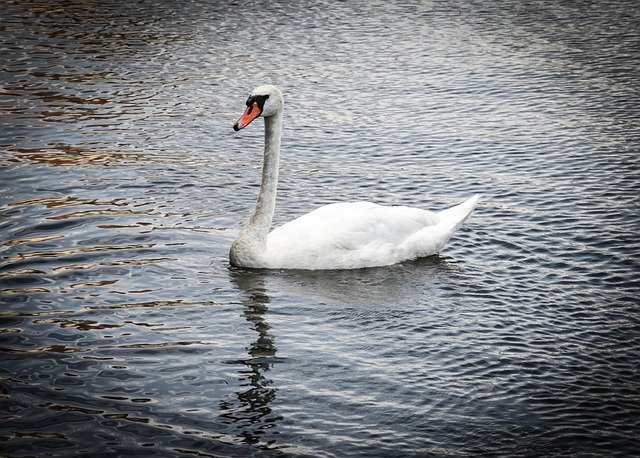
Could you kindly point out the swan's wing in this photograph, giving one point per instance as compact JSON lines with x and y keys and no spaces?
{"x":345,"y":235}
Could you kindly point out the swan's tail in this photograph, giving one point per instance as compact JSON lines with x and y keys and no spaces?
{"x":432,"y":238}
{"x":454,"y":217}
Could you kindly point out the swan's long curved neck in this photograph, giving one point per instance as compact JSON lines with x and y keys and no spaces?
{"x":262,"y":216}
{"x":250,"y":247}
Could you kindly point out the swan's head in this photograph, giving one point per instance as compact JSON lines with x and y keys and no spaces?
{"x":264,"y":101}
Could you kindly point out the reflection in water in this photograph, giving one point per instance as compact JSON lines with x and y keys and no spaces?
{"x":251,"y":413}
{"x":68,"y":156}
{"x":400,"y":283}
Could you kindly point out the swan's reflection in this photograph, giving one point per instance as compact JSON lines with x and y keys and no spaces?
{"x":384,"y":286}
{"x":251,"y":413}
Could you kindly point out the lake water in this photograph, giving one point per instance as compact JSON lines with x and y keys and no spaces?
{"x":122,"y":185}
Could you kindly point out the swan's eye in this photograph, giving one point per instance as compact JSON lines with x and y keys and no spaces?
{"x":258,"y":99}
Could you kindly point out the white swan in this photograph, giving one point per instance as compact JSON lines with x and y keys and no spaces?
{"x":337,"y":236}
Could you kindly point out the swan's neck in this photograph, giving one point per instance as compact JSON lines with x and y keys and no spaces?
{"x":249,"y":249}
{"x":262,"y":216}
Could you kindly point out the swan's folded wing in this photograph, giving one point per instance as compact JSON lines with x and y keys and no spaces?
{"x":346,"y":235}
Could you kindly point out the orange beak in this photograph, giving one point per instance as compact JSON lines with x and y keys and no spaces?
{"x":251,"y":113}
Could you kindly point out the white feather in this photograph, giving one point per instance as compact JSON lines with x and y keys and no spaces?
{"x":362,"y":234}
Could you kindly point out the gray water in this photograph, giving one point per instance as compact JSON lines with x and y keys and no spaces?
{"x":125,"y":331}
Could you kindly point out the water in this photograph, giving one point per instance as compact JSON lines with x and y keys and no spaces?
{"x":124,"y":329}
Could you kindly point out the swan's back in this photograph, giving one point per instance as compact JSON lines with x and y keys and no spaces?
{"x":362,"y":234}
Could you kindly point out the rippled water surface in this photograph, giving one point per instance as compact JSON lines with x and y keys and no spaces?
{"x":122,"y":185}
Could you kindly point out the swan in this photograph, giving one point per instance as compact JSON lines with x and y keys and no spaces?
{"x":347,"y":235}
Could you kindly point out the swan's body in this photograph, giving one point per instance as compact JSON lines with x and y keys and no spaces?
{"x":337,"y":236}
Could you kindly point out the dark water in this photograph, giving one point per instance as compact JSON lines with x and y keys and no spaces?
{"x":125,"y":331}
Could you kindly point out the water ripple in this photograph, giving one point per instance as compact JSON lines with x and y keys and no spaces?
{"x":122,"y":185}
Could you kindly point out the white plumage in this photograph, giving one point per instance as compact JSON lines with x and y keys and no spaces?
{"x":337,"y":236}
